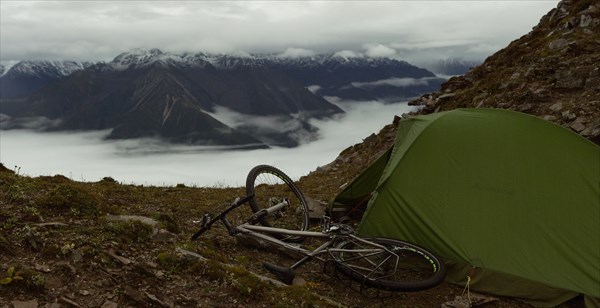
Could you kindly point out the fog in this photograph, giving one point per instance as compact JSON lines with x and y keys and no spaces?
{"x":85,"y":156}
{"x":395,"y":82}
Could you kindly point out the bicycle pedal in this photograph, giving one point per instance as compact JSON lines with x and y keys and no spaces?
{"x":284,"y":274}
{"x":205,"y":219}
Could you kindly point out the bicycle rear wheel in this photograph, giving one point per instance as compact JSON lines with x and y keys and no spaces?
{"x":270,"y":186}
{"x":388,"y":264}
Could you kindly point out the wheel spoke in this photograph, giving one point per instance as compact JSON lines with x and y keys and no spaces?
{"x":271,"y":186}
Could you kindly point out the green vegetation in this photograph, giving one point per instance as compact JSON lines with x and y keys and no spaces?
{"x":23,"y":278}
{"x":11,"y":276}
{"x":73,"y":198}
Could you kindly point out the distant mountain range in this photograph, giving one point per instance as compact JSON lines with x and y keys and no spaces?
{"x":26,"y":77}
{"x":451,"y":67}
{"x":177,"y":97}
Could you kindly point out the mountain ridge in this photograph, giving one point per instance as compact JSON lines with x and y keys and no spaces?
{"x":29,"y":76}
{"x":107,"y":95}
{"x":133,"y":100}
{"x":333,"y":71}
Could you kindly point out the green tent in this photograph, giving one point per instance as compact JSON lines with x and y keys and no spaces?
{"x":508,"y":199}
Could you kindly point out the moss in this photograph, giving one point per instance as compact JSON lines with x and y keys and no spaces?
{"x":6,"y":247}
{"x":581,"y":5}
{"x":129,"y":231}
{"x":210,"y":270}
{"x":70,"y":197}
{"x":173,"y":261}
{"x":168,"y":222}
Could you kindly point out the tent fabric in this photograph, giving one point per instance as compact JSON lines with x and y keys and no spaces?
{"x":497,"y":193}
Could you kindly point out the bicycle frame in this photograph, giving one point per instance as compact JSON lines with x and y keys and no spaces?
{"x":261,"y":232}
{"x":374,"y":262}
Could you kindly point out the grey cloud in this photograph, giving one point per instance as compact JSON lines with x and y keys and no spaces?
{"x":99,"y":30}
{"x":395,"y":82}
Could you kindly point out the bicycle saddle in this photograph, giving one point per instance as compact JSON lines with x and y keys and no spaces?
{"x":285,"y":274}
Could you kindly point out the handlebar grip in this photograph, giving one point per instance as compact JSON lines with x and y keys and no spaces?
{"x":199,"y":232}
{"x":244,"y":200}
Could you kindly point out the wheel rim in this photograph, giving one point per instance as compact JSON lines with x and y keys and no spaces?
{"x":269,"y":188}
{"x":395,"y":266}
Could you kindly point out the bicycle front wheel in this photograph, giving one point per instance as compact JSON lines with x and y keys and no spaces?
{"x":388,"y":264}
{"x":271,"y":186}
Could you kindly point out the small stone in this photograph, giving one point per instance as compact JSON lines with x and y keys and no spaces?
{"x":164,"y":236}
{"x":560,"y":43}
{"x":137,"y":296}
{"x":550,"y":118}
{"x":76,"y":256}
{"x":69,"y":302}
{"x":447,"y":95}
{"x":25,"y":304}
{"x":316,"y":208}
{"x":525,"y":107}
{"x":44,"y":268}
{"x":556,"y":107}
{"x":568,"y":115}
{"x":118,"y":258}
{"x":586,"y":21}
{"x":298,"y":281}
{"x":577,"y":125}
{"x":142,"y":219}
{"x":109,"y":304}
{"x":84,"y":292}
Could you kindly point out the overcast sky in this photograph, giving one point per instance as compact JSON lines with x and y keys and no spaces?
{"x":410,"y":30}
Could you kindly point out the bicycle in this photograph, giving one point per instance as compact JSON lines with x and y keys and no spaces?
{"x":381,"y":263}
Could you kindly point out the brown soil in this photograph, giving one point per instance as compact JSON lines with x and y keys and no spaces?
{"x":56,"y":236}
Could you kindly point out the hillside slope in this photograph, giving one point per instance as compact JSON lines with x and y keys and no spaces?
{"x":57,"y":236}
{"x":552,"y":72}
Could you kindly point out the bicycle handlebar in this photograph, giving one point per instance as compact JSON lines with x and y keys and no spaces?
{"x":233,"y":205}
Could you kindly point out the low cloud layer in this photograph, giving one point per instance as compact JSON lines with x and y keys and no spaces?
{"x":86,"y":157}
{"x":99,"y":30}
{"x":395,"y":82}
{"x":379,"y":51}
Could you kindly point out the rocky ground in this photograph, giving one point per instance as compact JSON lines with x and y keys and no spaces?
{"x":71,"y":244}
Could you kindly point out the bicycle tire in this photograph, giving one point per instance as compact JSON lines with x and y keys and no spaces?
{"x":266,"y":182}
{"x":414,"y":268}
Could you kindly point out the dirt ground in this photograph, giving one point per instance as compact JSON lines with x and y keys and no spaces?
{"x":66,"y":244}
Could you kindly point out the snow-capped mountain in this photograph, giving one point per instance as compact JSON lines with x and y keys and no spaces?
{"x":26,"y":77}
{"x":330,"y":75}
{"x":175,"y":97}
{"x":145,"y":93}
{"x":47,"y":69}
{"x":333,"y":74}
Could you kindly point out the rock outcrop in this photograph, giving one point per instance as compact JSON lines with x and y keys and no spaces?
{"x":552,"y":72}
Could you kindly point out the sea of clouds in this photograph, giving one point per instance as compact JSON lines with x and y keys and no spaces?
{"x":86,"y":156}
